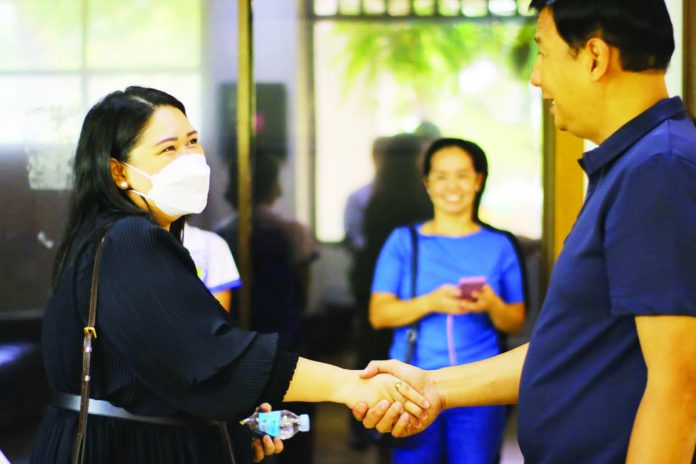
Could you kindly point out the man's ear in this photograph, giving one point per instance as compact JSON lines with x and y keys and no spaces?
{"x":600,"y":55}
{"x":118,"y":174}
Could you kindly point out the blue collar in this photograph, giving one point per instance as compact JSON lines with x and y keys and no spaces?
{"x":617,"y":144}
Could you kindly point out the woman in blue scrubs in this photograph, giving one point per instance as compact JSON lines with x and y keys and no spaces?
{"x":454,"y":324}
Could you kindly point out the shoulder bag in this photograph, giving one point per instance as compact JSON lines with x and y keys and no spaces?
{"x":106,"y":408}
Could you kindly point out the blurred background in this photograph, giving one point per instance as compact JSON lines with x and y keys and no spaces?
{"x":330,"y":77}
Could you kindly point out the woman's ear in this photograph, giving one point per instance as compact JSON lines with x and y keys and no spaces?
{"x":479,"y":182}
{"x":118,"y":174}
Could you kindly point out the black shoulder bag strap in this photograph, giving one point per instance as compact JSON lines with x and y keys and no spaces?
{"x":78,"y":454}
{"x":412,"y":333}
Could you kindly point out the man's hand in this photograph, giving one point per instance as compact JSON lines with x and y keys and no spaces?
{"x":385,"y":390}
{"x":386,"y":418}
{"x":266,"y":446}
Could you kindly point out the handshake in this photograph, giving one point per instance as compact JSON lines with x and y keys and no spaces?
{"x":394,"y":397}
{"x":401,"y":399}
{"x":387,"y":395}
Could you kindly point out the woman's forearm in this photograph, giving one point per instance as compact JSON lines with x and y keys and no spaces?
{"x":508,"y":318}
{"x":387,"y":311}
{"x":315,"y":382}
{"x":318,"y":382}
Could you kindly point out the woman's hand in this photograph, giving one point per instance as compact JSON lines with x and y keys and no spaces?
{"x":386,"y":393}
{"x":484,"y":300}
{"x":265,"y":446}
{"x":386,"y":419}
{"x":446,"y":299}
{"x":506,"y":317}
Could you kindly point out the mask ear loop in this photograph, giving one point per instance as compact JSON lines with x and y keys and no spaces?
{"x":139,"y":171}
{"x":125,"y":186}
{"x":142,"y":173}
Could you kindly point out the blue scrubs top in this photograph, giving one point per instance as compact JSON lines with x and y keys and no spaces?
{"x":445,"y":340}
{"x":631,"y":252}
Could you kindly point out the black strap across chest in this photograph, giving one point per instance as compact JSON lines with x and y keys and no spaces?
{"x":90,"y":333}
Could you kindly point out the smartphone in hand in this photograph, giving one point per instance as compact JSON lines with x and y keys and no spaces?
{"x":467,"y":285}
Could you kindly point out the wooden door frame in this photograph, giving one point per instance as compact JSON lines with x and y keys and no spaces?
{"x":245,"y":139}
{"x":689,"y":58}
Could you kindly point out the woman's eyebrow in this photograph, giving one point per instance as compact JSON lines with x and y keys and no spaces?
{"x":169,"y":139}
{"x":174,"y":139}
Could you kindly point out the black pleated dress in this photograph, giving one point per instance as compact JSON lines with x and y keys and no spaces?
{"x":165,"y":347}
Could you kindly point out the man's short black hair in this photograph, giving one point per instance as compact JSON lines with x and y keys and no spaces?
{"x":640,"y":29}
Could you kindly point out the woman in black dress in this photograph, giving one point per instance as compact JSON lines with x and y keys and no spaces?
{"x":166,"y":360}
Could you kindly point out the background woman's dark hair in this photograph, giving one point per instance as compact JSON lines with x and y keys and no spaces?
{"x":111,"y":129}
{"x":398,"y":195}
{"x":398,"y":198}
{"x":640,"y":29}
{"x":478,"y":158}
{"x":265,"y":174}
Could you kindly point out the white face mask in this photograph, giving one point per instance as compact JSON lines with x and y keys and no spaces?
{"x":181,"y":187}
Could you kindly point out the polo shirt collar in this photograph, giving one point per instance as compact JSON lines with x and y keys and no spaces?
{"x":617,"y":143}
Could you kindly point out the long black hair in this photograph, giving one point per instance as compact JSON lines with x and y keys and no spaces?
{"x":111,"y":129}
{"x":478,"y":159}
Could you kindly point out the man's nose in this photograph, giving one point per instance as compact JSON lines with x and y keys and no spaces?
{"x":535,"y":77}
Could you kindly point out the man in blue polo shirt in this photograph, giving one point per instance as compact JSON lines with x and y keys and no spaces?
{"x":609,"y":375}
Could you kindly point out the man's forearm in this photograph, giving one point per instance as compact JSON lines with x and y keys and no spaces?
{"x":491,"y":381}
{"x":664,"y":430}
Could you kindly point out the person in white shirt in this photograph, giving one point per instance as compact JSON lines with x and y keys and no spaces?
{"x":214,"y":263}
